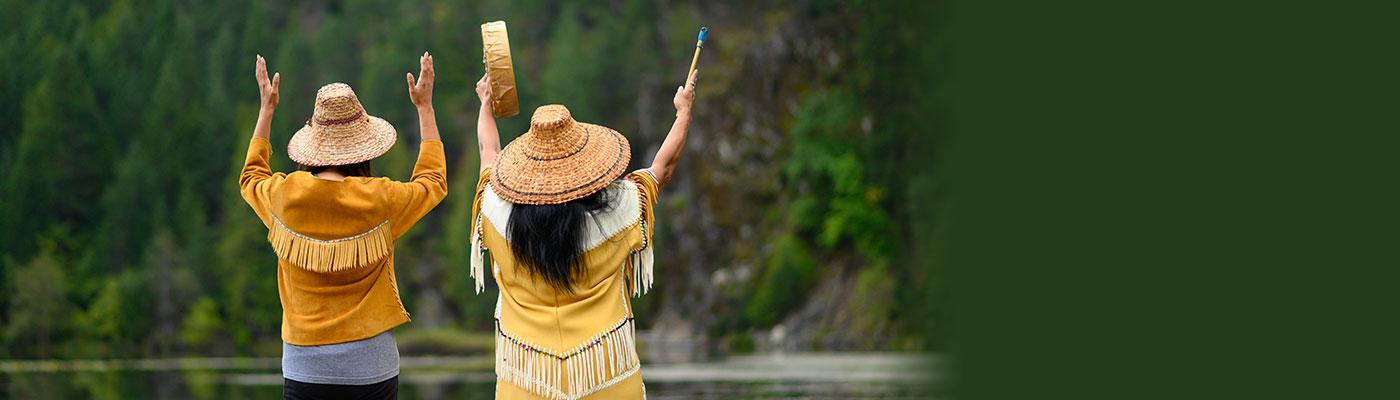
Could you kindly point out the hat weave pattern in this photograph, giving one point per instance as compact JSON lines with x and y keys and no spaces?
{"x":339,"y":131}
{"x":559,"y":159}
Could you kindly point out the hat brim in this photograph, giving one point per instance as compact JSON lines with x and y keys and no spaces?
{"x":377,"y":137}
{"x":520,"y":179}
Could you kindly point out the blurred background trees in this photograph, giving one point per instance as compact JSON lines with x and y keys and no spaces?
{"x":800,"y":218}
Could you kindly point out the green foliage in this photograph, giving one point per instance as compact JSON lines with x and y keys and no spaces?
{"x":104,"y":321}
{"x":851,"y":188}
{"x":873,"y":302}
{"x":170,"y":287}
{"x":789,"y":274}
{"x":568,"y":46}
{"x":39,"y":307}
{"x":445,"y":341}
{"x":139,"y":309}
{"x":248,"y":286}
{"x":836,"y":206}
{"x":202,"y":324}
{"x":60,"y":102}
{"x":837,"y":202}
{"x":455,"y":245}
{"x":739,"y":343}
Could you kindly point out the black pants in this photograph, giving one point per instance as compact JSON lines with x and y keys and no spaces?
{"x":293,"y":390}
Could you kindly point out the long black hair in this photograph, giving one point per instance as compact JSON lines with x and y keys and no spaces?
{"x":357,"y":169}
{"x":548,"y":239}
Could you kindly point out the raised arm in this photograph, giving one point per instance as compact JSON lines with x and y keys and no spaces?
{"x":664,"y":165}
{"x":487,"y":137}
{"x":421,"y":93}
{"x":268,"y":90}
{"x":428,"y":184}
{"x":257,"y":177}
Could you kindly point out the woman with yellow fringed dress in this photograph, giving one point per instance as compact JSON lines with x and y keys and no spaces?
{"x":568,"y":238}
{"x":333,"y":227}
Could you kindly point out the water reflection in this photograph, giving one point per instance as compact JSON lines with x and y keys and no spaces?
{"x":805,"y":376}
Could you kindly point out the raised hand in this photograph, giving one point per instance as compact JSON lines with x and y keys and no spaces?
{"x":664,"y":164}
{"x":685,"y":95}
{"x":483,"y":91}
{"x":268,"y":89}
{"x":421,"y":91}
{"x":487,"y":137}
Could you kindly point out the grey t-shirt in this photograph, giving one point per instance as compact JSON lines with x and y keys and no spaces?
{"x":361,"y":362}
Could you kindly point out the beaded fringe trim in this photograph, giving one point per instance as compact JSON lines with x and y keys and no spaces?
{"x":640,"y":265}
{"x":478,"y":257}
{"x":597,"y":363}
{"x":642,"y":260}
{"x":330,"y":255}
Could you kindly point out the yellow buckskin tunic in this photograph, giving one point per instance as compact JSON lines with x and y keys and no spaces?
{"x":335,"y":242}
{"x":555,"y":345}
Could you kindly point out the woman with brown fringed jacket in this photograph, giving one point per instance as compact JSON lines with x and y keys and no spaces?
{"x":333,"y":226}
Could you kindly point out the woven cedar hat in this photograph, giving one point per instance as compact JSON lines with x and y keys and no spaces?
{"x":339,"y":131}
{"x":559,"y":159}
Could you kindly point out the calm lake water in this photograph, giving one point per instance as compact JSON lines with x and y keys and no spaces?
{"x":790,"y":376}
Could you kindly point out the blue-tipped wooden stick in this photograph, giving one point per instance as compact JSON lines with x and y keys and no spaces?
{"x":699,"y":42}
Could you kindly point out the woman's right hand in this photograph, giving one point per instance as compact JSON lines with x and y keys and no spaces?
{"x":420,"y":92}
{"x":663,"y":165}
{"x":268,"y":89}
{"x":483,"y":90}
{"x":685,"y":95}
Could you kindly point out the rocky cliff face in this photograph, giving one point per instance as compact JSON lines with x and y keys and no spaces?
{"x":722,"y":215}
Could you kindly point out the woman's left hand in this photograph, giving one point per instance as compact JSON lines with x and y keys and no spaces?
{"x":421,"y":92}
{"x":267,"y":88}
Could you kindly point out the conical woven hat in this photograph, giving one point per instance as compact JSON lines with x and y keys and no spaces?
{"x":559,"y":159}
{"x":339,"y":131}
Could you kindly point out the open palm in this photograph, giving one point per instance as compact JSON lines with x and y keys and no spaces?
{"x":421,"y":91}
{"x":268,"y":89}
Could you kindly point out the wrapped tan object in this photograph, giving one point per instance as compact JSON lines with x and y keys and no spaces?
{"x":495,"y":49}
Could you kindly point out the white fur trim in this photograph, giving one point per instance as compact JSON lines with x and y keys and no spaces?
{"x":603,"y":226}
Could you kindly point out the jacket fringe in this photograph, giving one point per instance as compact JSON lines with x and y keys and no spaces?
{"x":640,"y":265}
{"x":599,"y":362}
{"x":478,"y":257}
{"x":335,"y":255}
{"x":642,"y":260}
{"x":478,"y":246}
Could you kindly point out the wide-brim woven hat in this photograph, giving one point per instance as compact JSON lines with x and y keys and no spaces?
{"x":340,"y":132}
{"x":559,"y":159}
